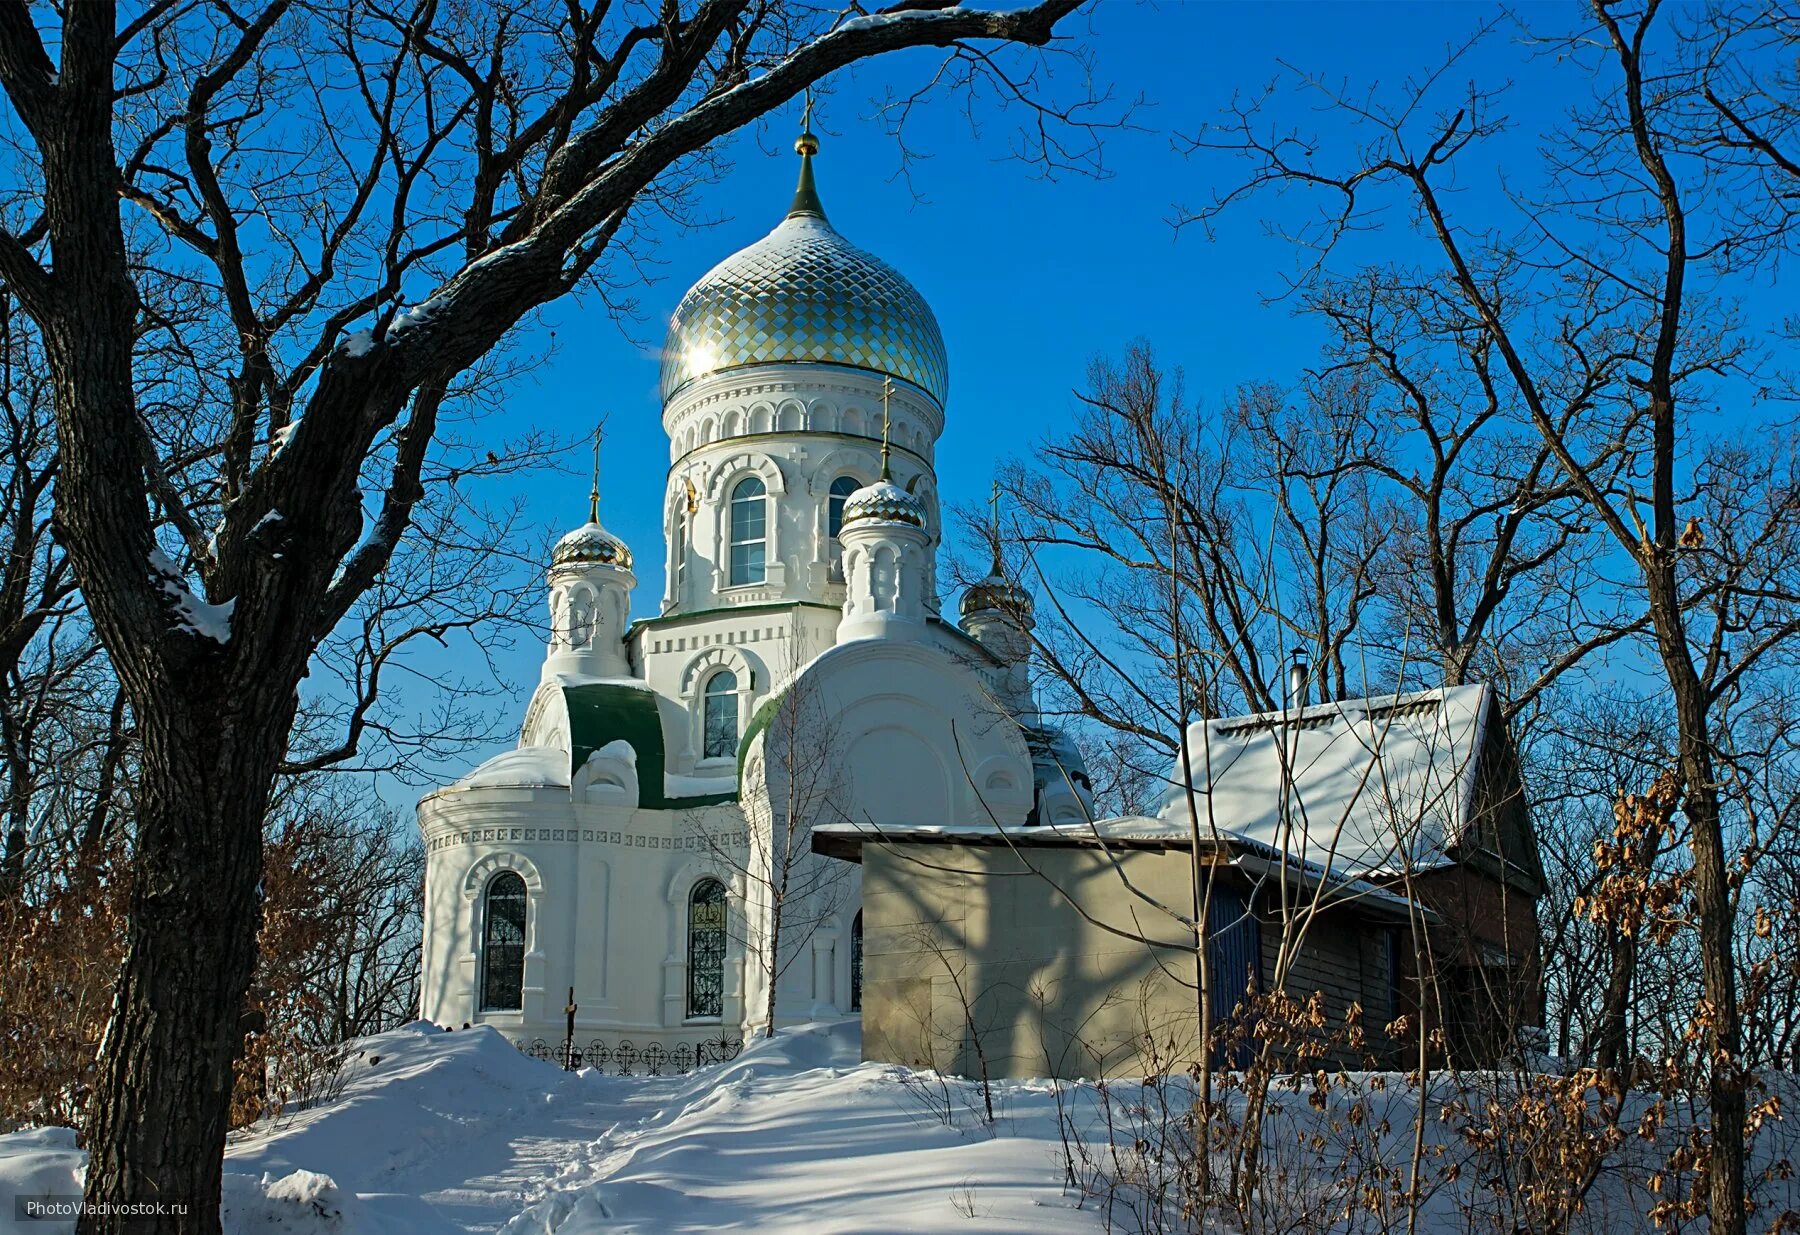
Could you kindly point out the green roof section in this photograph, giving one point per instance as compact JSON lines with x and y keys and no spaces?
{"x":759,"y":720}
{"x":601,"y":713}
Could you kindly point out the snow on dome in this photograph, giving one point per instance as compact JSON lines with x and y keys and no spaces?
{"x":591,"y":543}
{"x":522,"y":767}
{"x":805,"y":294}
{"x":884,"y":502}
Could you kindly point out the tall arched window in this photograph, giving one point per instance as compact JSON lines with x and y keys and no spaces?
{"x":749,"y":531}
{"x":841,"y":489}
{"x":856,"y":963}
{"x":720,"y":716}
{"x":706,"y":949}
{"x":503,"y":944}
{"x":681,"y":554}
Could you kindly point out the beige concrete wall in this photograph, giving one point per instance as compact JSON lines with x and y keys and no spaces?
{"x":969,"y":953}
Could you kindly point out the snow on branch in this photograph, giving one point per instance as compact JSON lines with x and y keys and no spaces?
{"x":191,"y":613}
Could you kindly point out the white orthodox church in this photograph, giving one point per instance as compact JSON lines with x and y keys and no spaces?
{"x":616,"y":851}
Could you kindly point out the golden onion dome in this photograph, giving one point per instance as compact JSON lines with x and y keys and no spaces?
{"x":884,"y":502}
{"x":995,"y":594}
{"x":591,"y":543}
{"x":803,"y":294}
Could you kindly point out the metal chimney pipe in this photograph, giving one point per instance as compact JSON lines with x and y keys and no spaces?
{"x":1297,"y":674}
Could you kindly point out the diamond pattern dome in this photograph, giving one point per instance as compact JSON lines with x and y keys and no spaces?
{"x":591,"y":543}
{"x":804,"y":293}
{"x":884,"y":502}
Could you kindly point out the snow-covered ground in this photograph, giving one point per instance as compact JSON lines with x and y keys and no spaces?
{"x":436,"y":1132}
{"x":439,"y":1132}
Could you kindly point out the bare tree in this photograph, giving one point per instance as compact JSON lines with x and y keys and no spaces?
{"x":342,"y":209}
{"x":1604,"y":325}
{"x":36,"y":585}
{"x":1487,"y":546}
{"x":1180,"y":553}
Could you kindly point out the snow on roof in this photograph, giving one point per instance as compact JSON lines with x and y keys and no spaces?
{"x":1370,"y":785}
{"x":524,"y":766}
{"x":842,"y":838}
{"x":1365,"y":785}
{"x":590,"y":679}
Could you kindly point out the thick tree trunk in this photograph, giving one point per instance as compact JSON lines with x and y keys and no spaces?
{"x":162,"y":1106}
{"x":1723,"y":1029}
{"x":18,"y":823}
{"x":1721,"y":1026}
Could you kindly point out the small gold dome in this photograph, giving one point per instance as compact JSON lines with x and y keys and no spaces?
{"x":591,"y":543}
{"x":884,"y":502}
{"x":995,"y":594}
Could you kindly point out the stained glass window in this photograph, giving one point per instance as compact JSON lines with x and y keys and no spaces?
{"x":749,"y":530}
{"x":503,"y":944}
{"x":706,"y":949}
{"x":720,"y":716}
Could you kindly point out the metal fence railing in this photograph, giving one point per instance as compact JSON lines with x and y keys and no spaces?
{"x":627,"y":1058}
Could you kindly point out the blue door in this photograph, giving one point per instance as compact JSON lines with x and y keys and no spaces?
{"x":1234,"y":957}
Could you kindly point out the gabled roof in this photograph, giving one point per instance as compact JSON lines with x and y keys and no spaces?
{"x":1364,"y":785}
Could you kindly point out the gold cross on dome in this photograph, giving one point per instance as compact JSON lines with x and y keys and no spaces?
{"x":594,"y":493}
{"x":994,"y":516}
{"x":887,"y":391}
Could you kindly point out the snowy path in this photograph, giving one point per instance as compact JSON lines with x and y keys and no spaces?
{"x":436,"y":1133}
{"x":466,"y":1154}
{"x":796,"y":1136}
{"x":501,"y":1170}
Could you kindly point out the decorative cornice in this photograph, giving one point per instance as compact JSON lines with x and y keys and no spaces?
{"x":732,"y":384}
{"x":802,"y":436}
{"x":700,"y":615}
{"x":615,"y":838}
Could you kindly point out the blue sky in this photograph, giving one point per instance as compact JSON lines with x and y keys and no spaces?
{"x":1029,"y":278}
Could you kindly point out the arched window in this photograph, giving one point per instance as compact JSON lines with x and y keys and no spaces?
{"x":856,"y":963}
{"x":841,"y":489}
{"x":681,"y":554}
{"x":749,"y":531}
{"x":503,"y":944}
{"x":720,"y":716}
{"x":706,"y":949}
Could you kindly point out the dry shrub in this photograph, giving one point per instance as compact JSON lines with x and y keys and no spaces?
{"x":59,"y":950}
{"x":1539,"y":1143}
{"x":61,"y":945}
{"x":1294,"y":1141}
